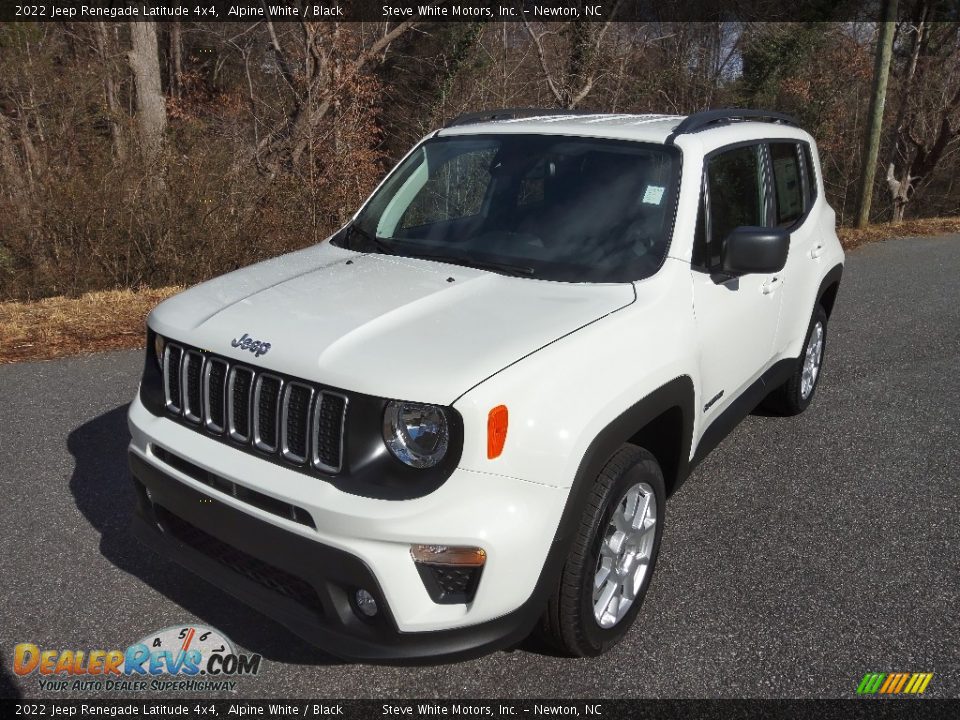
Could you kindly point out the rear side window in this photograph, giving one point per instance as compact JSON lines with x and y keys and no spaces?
{"x":809,"y":177}
{"x":788,"y":182}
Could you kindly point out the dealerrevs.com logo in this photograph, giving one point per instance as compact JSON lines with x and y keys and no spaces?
{"x":178,"y":658}
{"x":895,"y":683}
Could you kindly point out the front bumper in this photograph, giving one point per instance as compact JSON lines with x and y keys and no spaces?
{"x":305,"y":577}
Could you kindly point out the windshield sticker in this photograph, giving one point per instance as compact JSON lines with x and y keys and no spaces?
{"x":653,"y":194}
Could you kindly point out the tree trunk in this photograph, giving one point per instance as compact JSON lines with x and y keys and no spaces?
{"x":104,"y":50}
{"x":899,"y":190}
{"x":12,"y":180}
{"x":144,"y":60}
{"x":175,"y":68}
{"x":878,"y":98}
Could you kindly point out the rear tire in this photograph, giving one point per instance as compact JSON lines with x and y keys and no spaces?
{"x":610,"y":562}
{"x":796,"y":394}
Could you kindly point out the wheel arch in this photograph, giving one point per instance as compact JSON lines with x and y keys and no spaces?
{"x":663,"y":437}
{"x":661,"y":422}
{"x":829,"y":287}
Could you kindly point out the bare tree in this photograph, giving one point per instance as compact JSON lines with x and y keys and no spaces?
{"x":106,"y":54}
{"x":927,"y":122}
{"x":175,"y":60}
{"x":11,"y":177}
{"x":878,"y":97}
{"x":572,"y":79}
{"x":328,"y":61}
{"x":144,"y":60}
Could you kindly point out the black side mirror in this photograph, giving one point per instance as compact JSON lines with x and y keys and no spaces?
{"x":755,"y":250}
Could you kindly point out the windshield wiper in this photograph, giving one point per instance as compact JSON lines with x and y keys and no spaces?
{"x":500,"y":267}
{"x":380,"y":245}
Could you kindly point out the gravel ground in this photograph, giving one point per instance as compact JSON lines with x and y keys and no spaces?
{"x":801,"y":554}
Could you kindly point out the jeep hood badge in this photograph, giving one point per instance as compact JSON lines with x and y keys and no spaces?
{"x":257,"y":347}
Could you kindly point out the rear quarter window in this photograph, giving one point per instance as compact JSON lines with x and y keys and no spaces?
{"x":788,"y":182}
{"x":809,"y":177}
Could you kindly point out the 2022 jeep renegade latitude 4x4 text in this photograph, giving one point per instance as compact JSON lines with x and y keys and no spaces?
{"x":458,"y":419}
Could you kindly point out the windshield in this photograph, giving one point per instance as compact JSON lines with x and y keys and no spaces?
{"x":546,"y":206}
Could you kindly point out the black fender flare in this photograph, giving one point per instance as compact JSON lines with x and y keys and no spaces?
{"x":833,"y":276}
{"x":678,"y":393}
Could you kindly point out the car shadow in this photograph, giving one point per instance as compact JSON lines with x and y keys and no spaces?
{"x":9,"y":689}
{"x":103,"y":493}
{"x":534,"y":644}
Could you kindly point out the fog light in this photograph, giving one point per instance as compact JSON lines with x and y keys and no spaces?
{"x":366,"y":603}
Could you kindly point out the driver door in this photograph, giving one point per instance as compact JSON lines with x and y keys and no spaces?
{"x":736,"y":317}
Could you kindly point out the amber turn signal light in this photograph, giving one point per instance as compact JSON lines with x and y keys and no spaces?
{"x":448,"y":555}
{"x":496,"y":431}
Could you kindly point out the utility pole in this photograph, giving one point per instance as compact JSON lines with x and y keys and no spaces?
{"x":881,"y":72}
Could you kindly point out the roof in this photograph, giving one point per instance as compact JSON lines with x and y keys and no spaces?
{"x":651,"y":128}
{"x":728,"y":125}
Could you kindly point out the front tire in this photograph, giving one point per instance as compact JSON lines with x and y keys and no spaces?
{"x":796,"y":394}
{"x":612,"y":557}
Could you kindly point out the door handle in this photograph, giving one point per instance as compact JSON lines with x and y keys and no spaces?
{"x":770,"y":285}
{"x":817,"y":251}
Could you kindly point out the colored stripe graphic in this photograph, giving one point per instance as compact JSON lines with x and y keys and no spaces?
{"x":922,"y":684}
{"x":890,"y":682}
{"x":894,"y":683}
{"x":899,"y":683}
{"x":870,"y":683}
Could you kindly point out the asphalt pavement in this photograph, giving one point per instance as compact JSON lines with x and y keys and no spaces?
{"x":803,"y":553}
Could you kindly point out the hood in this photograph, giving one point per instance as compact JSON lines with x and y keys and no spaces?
{"x":395,"y":327}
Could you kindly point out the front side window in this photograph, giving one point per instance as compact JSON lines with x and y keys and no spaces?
{"x":545,"y":206}
{"x":734,"y":196}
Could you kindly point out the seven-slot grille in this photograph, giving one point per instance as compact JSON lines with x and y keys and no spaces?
{"x":295,"y":420}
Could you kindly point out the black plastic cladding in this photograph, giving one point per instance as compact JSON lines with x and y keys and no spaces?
{"x":449,"y":585}
{"x":369,"y":468}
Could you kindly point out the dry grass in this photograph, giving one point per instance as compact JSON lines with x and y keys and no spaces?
{"x":59,"y":326}
{"x":114,"y":319}
{"x":853,"y":237}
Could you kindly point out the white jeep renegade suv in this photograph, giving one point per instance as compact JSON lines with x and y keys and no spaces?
{"x":459,"y":418}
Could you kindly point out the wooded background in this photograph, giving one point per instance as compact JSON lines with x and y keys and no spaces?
{"x":155,"y":154}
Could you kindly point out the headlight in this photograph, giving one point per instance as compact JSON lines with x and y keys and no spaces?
{"x":158,"y":344}
{"x":416,"y":434}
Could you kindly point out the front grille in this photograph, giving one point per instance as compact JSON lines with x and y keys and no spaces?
{"x":192,"y":401}
{"x":215,"y":379}
{"x":260,"y":572}
{"x":328,"y":419}
{"x":172,"y":357}
{"x":266,"y":400}
{"x":239,"y":393}
{"x":293,"y":421}
{"x":296,"y":421}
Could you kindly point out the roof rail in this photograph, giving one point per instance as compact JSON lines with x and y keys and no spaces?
{"x":706,"y":119}
{"x":510,"y":114}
